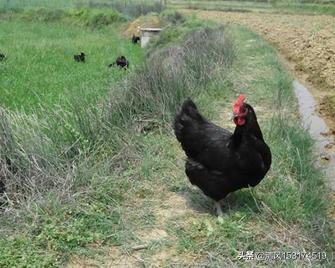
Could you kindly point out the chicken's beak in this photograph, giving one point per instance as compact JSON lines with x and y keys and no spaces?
{"x":234,"y":115}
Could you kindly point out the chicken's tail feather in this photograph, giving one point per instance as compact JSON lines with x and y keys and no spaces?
{"x":186,"y":118}
{"x":190,"y":109}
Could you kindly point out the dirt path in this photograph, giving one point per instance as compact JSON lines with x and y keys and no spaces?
{"x":306,"y":41}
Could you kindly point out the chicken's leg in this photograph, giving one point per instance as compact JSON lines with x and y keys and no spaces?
{"x":218,"y":209}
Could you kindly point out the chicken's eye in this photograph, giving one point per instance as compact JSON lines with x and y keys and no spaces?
{"x":243,"y":110}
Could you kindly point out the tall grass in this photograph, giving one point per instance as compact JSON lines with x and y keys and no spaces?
{"x":172,"y":74}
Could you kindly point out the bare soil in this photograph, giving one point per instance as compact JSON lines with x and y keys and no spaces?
{"x":307,"y":41}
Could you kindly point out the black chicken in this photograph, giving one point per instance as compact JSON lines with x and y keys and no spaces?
{"x":120,"y":62}
{"x":2,"y":57}
{"x":80,"y":57}
{"x":135,"y":39}
{"x":220,"y":162}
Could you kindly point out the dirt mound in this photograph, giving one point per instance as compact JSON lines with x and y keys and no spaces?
{"x":150,"y":20}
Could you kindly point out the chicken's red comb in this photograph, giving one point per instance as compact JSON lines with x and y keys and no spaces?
{"x":240,"y":100}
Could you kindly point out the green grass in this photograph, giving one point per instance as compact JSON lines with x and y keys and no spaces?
{"x":103,"y":178}
{"x":14,"y":4}
{"x":130,"y":8}
{"x":40,"y":70}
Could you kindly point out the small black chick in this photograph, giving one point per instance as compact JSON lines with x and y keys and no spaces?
{"x":121,"y":62}
{"x":135,"y":39}
{"x":80,"y":57}
{"x":2,"y":57}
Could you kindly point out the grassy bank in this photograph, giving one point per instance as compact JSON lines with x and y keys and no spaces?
{"x":101,"y":181}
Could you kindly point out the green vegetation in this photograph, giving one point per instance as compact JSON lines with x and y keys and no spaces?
{"x":86,"y":17}
{"x":40,"y":70}
{"x":23,"y":4}
{"x":273,"y":6}
{"x":130,"y":8}
{"x":59,"y":164}
{"x":93,"y":18}
{"x":134,"y":8}
{"x":106,"y":171}
{"x":175,"y":26}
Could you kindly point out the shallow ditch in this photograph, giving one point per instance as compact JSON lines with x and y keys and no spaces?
{"x":318,"y":129}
